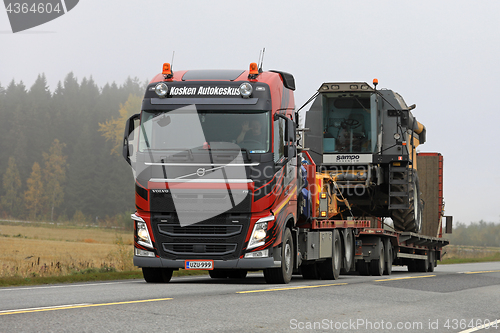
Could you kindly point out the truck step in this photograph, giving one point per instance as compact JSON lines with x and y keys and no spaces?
{"x":398,"y":206}
{"x":399,"y":194}
{"x":398,"y":181}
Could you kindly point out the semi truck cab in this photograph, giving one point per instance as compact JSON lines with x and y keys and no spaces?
{"x":215,"y":165}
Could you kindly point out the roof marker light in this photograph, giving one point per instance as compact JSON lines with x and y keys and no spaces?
{"x":254,"y":70}
{"x":166,"y":69}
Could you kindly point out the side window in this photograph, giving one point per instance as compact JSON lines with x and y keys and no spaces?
{"x":279,"y":139}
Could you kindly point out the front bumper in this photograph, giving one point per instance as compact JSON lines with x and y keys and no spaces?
{"x":248,"y":263}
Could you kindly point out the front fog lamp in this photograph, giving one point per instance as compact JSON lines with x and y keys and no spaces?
{"x":161,"y":89}
{"x":258,"y":254}
{"x":245,"y":89}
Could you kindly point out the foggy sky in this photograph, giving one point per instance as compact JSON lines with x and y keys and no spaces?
{"x":442,"y":56}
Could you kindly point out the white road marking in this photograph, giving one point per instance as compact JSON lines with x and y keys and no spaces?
{"x":44,"y":307}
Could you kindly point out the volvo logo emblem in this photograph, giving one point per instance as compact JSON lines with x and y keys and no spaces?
{"x":200,"y":172}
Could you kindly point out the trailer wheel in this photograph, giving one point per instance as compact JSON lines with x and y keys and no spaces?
{"x":377,"y":266}
{"x":432,"y":261}
{"x":330,"y":268}
{"x":282,"y":274}
{"x":348,"y":251}
{"x":388,"y":257}
{"x":157,"y":275}
{"x":218,"y":273}
{"x":237,"y":273}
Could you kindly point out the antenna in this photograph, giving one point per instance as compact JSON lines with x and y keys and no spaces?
{"x":172,"y":62}
{"x":261,"y":59}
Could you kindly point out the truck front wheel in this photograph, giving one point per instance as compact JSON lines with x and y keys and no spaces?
{"x":282,"y":274}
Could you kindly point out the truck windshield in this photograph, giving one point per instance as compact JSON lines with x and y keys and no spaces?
{"x":187,"y":128}
{"x":350,"y":123}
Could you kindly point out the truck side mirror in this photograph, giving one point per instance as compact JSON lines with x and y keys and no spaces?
{"x":129,"y":129}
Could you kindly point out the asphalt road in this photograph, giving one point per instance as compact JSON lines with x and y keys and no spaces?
{"x":454,"y":298}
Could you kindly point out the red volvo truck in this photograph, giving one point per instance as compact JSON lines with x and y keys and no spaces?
{"x":224,"y":183}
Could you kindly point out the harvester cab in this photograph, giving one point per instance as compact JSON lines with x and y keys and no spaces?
{"x":363,"y":142}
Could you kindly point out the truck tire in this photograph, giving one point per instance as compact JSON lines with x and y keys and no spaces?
{"x":432,"y":261}
{"x":284,"y":273}
{"x":330,"y":268}
{"x":157,"y":275}
{"x":218,"y":273}
{"x":377,"y":266}
{"x":410,"y":219}
{"x":348,"y":243}
{"x":388,"y":257}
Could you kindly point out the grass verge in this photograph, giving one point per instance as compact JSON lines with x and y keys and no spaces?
{"x":495,"y":257}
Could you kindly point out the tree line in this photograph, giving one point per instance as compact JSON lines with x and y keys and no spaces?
{"x":59,"y":150}
{"x":476,"y":234}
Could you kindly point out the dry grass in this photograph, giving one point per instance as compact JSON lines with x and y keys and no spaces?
{"x":32,"y":251}
{"x":65,"y":233}
{"x":469,"y":252}
{"x":455,"y":254}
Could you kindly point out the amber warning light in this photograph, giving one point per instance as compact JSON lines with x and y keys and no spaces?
{"x":254,"y":70}
{"x":166,"y":69}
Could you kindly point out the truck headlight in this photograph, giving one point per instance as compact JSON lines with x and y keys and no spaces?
{"x":161,"y":89}
{"x":259,"y":233}
{"x":245,"y":89}
{"x":142,"y":231}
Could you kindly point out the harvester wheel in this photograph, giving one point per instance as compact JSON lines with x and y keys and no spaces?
{"x":410,"y":219}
